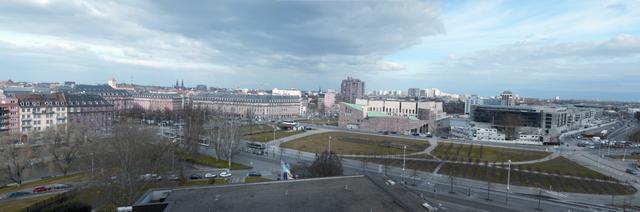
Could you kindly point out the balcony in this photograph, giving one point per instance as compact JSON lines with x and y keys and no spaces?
{"x":61,"y":117}
{"x":27,"y":119}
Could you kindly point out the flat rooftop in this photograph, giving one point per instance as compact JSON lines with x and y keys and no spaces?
{"x":351,"y":193}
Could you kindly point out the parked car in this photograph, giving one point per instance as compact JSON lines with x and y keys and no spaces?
{"x":59,"y":186}
{"x":40,"y":189}
{"x":18,"y":194}
{"x":428,"y":207}
{"x":173,"y":177}
{"x":210,"y":175}
{"x":195,"y":177}
{"x":255,"y":174}
{"x":225,"y":174}
{"x":632,"y":172}
{"x":150,"y":177}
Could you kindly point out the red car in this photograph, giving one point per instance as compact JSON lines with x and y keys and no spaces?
{"x":40,"y":189}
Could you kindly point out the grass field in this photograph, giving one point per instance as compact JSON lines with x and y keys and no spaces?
{"x":53,"y":180}
{"x":255,"y":179}
{"x":21,"y":204}
{"x":421,"y":156}
{"x":466,"y":152}
{"x":425,"y":166}
{"x":554,"y":183}
{"x":356,"y":144}
{"x":327,"y":121}
{"x":255,"y":128}
{"x":562,"y":166}
{"x":210,"y":161}
{"x":268,"y":136}
{"x":499,"y":175}
{"x":626,"y":157}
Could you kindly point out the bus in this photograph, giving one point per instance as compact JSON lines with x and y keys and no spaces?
{"x":256,"y":148}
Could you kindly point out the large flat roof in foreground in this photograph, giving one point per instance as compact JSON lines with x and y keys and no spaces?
{"x":354,"y":193}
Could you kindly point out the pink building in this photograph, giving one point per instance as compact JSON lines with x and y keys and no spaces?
{"x":329,"y":98}
{"x":354,"y":116}
{"x":9,"y":115}
{"x":89,"y":110}
{"x":158,"y":102}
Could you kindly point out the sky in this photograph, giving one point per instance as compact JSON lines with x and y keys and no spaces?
{"x":572,"y":49}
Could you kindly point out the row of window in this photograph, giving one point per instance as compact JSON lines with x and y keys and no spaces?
{"x":38,"y":109}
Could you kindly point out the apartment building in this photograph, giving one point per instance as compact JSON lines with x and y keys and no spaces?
{"x":39,"y":112}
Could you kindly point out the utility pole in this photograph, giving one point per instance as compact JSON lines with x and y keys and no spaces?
{"x":539,"y":198}
{"x":508,"y":183}
{"x":451,"y":184}
{"x":329,"y":144}
{"x":92,"y":164}
{"x":488,"y":190}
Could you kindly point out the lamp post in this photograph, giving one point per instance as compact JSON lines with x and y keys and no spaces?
{"x":404,"y":156}
{"x":508,"y":183}
{"x":92,"y":164}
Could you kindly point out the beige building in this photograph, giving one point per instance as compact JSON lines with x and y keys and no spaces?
{"x":391,"y":115}
{"x":402,"y":108}
{"x":158,"y":102}
{"x":39,"y":112}
{"x":257,"y":106}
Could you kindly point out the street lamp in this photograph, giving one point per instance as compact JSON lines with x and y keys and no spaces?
{"x":404,"y":155}
{"x":92,"y":164}
{"x":508,"y":183}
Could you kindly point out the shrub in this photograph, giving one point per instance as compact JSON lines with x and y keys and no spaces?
{"x":69,"y":207}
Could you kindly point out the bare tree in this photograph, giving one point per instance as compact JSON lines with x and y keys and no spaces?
{"x":17,"y":157}
{"x":126,"y":156}
{"x":224,"y":136}
{"x":66,"y":145}
{"x":510,"y":123}
{"x":326,"y":164}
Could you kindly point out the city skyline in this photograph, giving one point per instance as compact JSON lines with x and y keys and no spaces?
{"x":575,"y":50}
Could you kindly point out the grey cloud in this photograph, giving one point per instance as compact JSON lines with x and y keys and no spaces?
{"x":237,"y":37}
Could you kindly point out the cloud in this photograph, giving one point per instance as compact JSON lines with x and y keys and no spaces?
{"x":580,"y":66}
{"x":243,"y":38}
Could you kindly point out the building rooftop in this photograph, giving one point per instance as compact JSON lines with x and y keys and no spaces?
{"x":351,"y":193}
{"x":80,"y":100}
{"x":103,"y":90}
{"x":246,"y":98}
{"x":55,"y":99}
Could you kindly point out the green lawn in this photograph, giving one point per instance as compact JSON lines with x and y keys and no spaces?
{"x":268,"y":136}
{"x":328,"y":121}
{"x":53,"y":180}
{"x":626,"y":157}
{"x":563,"y":166}
{"x":203,"y":182}
{"x":466,"y":152}
{"x":210,"y":161}
{"x":255,"y":128}
{"x":499,"y":175}
{"x":421,"y":156}
{"x":21,"y":204}
{"x":356,"y":144}
{"x":256,"y":179}
{"x":425,"y":166}
{"x":549,"y":182}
